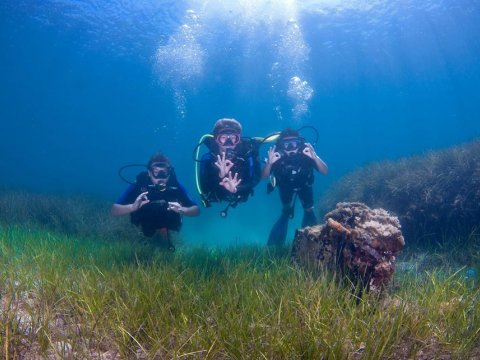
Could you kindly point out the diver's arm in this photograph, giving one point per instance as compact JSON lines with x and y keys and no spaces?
{"x":191,"y":211}
{"x":119,"y":209}
{"x":273,"y":156}
{"x":319,"y":163}
{"x":266,"y":170}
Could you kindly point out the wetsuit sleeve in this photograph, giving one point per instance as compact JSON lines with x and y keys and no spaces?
{"x":128,"y":196}
{"x":184,"y":199}
{"x":208,"y":174}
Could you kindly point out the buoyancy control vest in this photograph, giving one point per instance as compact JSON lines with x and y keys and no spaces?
{"x":294,"y":171}
{"x":246,"y":163}
{"x":156,"y":213}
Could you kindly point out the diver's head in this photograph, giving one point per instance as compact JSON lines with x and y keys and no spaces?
{"x":290,"y":142}
{"x":227,"y":133}
{"x":159,"y":169}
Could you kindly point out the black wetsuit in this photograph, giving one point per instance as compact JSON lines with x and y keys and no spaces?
{"x":294,"y":173}
{"x":154,"y":215}
{"x":246,"y":164}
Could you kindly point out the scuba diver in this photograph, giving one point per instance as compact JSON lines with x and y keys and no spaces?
{"x":156,"y":201}
{"x":291,"y":162}
{"x":231,"y":168}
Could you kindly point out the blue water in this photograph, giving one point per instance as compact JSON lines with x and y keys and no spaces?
{"x":88,"y":86}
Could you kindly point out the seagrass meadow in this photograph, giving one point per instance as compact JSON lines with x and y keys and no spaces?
{"x":77,"y":297}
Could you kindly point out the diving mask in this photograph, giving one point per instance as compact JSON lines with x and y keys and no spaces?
{"x":160,"y":170}
{"x":228,"y":139}
{"x":290,"y":144}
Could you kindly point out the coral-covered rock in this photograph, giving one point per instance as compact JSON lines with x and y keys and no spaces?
{"x":361,"y":242}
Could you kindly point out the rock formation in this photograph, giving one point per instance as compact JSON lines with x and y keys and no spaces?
{"x":360,"y":242}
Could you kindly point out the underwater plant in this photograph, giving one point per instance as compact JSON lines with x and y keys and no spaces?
{"x":436,"y":196}
{"x":72,"y":214}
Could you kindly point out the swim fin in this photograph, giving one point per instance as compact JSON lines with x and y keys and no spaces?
{"x":309,"y":219}
{"x":278,"y":234}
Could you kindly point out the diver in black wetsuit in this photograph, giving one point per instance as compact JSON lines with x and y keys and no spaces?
{"x":231,"y":168}
{"x":156,"y":201}
{"x":292,"y":161}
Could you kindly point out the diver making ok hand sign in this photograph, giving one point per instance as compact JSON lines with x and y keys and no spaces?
{"x":290,"y":163}
{"x":231,"y":168}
